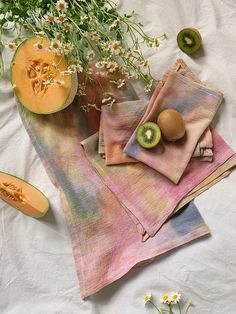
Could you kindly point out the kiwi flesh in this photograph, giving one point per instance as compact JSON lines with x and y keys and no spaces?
{"x":189,"y":40}
{"x":148,"y":135}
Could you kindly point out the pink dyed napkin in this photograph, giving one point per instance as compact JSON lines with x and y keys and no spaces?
{"x":197,"y":105}
{"x":117,"y":125}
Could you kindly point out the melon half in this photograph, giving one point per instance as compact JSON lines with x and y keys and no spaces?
{"x":38,"y":79}
{"x":22,"y":196}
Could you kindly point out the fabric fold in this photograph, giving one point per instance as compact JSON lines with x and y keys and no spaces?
{"x":197,"y":105}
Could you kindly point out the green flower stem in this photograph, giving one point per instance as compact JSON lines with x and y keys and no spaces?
{"x":188,"y":307}
{"x":180,"y":311}
{"x":155,"y":306}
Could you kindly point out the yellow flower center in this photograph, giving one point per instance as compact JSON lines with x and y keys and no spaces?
{"x":50,"y":18}
{"x":116,"y":46}
{"x":61,"y":6}
{"x":55,"y":45}
{"x":61,"y":18}
{"x":165,"y":297}
{"x":146,"y":298}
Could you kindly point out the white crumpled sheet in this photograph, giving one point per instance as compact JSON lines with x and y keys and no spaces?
{"x":37,"y":274}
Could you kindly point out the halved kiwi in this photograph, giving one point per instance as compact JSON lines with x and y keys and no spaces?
{"x":148,"y":135}
{"x":189,"y":40}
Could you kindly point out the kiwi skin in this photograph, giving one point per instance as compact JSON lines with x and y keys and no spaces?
{"x":155,"y":135}
{"x":194,"y":35}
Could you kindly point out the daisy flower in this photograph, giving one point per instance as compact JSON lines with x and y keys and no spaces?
{"x":105,"y":46}
{"x":147,"y":298}
{"x":112,"y":66}
{"x":61,"y":5}
{"x":100,"y":64}
{"x":49,"y":17}
{"x":90,"y":55}
{"x":83,"y":18}
{"x":60,"y":19}
{"x":39,"y":34}
{"x":79,"y":68}
{"x":67,"y":27}
{"x":115,"y":47}
{"x":95,"y":36}
{"x":175,"y":297}
{"x":58,"y":36}
{"x":11,"y":45}
{"x":55,"y":46}
{"x":165,"y":299}
{"x":68,"y":48}
{"x":38,"y":46}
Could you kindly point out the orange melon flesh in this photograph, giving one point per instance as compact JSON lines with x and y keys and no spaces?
{"x":31,"y":71}
{"x":22,"y":196}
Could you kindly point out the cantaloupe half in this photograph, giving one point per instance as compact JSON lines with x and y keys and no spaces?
{"x":22,"y":196}
{"x":38,"y":80}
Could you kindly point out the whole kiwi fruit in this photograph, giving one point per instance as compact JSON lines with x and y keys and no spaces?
{"x":171,"y":124}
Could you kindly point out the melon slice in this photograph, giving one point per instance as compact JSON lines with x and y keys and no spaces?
{"x":38,"y":80}
{"x":22,"y":196}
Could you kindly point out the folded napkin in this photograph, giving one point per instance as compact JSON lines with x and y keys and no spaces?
{"x":197,"y":105}
{"x":117,"y":125}
{"x":105,"y":240}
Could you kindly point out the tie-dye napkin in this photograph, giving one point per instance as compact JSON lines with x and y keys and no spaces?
{"x":117,"y":125}
{"x":197,"y":105}
{"x":107,"y":235}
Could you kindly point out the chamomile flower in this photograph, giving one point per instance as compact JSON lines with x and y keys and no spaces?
{"x":165,"y":299}
{"x":100,"y":64}
{"x":58,"y":36}
{"x":67,"y":27}
{"x":112,"y":66}
{"x":83,"y":19}
{"x":147,"y":298}
{"x":38,"y":46}
{"x":55,"y":46}
{"x":175,"y":297}
{"x":61,"y":18}
{"x":39,"y":34}
{"x":90,"y":55}
{"x":95,"y":36}
{"x":105,"y":46}
{"x":61,"y":5}
{"x":11,"y":45}
{"x":49,"y":17}
{"x":115,"y":47}
{"x":68,"y":48}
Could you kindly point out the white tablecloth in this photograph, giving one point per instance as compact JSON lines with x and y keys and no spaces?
{"x":37,"y":273}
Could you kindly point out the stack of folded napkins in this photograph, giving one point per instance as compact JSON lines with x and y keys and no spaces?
{"x":173,"y":172}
